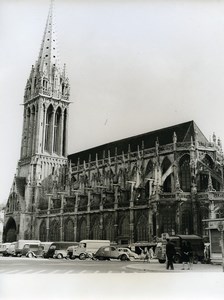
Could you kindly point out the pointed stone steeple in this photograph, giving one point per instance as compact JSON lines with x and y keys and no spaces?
{"x":48,"y":57}
{"x":47,"y":77}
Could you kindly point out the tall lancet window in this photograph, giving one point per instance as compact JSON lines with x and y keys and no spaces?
{"x":57,"y":122}
{"x":48,"y":129}
{"x":64,"y":134}
{"x":185,"y":173}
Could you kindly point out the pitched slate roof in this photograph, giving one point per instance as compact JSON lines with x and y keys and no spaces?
{"x":184,"y":132}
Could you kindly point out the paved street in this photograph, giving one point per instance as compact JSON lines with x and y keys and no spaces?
{"x":16,"y":265}
{"x":24,"y":278}
{"x":11,"y":265}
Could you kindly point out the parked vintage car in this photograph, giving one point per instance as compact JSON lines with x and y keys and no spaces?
{"x":58,"y":249}
{"x":4,"y":248}
{"x":108,"y":252}
{"x":131,"y":254}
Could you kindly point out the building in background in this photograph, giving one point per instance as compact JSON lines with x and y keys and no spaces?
{"x":127,"y":191}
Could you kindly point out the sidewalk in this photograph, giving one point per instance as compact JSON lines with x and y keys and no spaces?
{"x":155,"y":266}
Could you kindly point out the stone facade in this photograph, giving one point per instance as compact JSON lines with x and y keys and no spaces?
{"x":129,"y":196}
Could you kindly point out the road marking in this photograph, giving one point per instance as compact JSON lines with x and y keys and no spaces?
{"x":55,"y":271}
{"x":13,"y":271}
{"x":26,"y":271}
{"x":41,"y":271}
{"x":70,"y":271}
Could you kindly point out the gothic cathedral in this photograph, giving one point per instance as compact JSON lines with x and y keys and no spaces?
{"x":127,"y":191}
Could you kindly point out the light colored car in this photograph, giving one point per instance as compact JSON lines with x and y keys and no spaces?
{"x":108,"y":252}
{"x":129,"y":252}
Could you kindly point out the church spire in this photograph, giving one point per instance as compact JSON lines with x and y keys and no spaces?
{"x":48,"y":57}
{"x":46,"y":77}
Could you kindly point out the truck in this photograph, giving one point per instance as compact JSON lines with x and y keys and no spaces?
{"x":87,"y":248}
{"x":196,"y":242}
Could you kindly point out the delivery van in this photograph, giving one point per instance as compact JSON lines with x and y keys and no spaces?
{"x":196,"y":244}
{"x":10,"y":250}
{"x":87,"y":248}
{"x":22,"y":246}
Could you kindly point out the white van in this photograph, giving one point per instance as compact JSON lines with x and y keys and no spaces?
{"x":87,"y":248}
{"x":19,"y":247}
{"x":10,"y":250}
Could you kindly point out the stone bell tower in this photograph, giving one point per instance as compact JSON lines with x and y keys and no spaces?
{"x":45,"y":126}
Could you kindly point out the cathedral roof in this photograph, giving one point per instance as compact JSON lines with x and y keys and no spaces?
{"x":184,"y":133}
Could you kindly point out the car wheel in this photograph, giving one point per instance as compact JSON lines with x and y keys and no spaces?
{"x":177,"y":259}
{"x":59,"y":256}
{"x":82,"y":256}
{"x":101,"y":258}
{"x":123,"y":257}
{"x":162,"y":261}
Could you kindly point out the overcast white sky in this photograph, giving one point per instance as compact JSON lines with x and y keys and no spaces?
{"x":134,"y":66}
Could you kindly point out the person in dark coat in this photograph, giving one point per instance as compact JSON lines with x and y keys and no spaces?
{"x":170,"y":252}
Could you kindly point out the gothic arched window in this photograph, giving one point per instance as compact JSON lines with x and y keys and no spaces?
{"x":142,"y":232}
{"x":43,"y":232}
{"x":82,"y":230}
{"x":69,"y":231}
{"x":54,"y":231}
{"x":108,"y":232}
{"x":48,"y":129}
{"x":185,"y":174}
{"x":95,"y":229}
{"x":64,"y":140}
{"x":56,"y":146}
{"x":124,"y":227}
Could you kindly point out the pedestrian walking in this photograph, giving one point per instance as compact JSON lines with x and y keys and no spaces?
{"x":170,"y":252}
{"x":185,"y":255}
